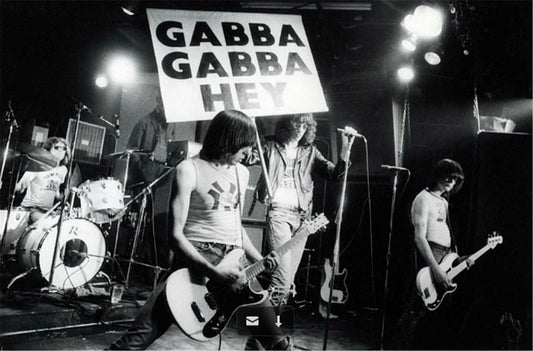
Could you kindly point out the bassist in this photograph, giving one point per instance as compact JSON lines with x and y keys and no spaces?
{"x":433,"y":240}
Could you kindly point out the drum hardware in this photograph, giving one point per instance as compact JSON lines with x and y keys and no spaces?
{"x":140,"y":224}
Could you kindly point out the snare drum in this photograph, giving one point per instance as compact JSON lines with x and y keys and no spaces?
{"x":80,"y":253}
{"x":101,"y":199}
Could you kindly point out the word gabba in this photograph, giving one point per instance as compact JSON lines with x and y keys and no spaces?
{"x":261,"y":54}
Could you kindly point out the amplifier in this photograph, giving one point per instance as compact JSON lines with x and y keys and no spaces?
{"x":89,"y":142}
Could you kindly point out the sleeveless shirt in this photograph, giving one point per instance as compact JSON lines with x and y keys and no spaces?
{"x":213,"y":210}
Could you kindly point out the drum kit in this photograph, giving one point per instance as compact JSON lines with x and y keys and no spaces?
{"x":81,"y":247}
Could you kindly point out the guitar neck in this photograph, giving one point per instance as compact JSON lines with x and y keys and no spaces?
{"x":460,"y":267}
{"x":255,"y":269}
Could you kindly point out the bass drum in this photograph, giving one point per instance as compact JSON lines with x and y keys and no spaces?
{"x":79,"y":257}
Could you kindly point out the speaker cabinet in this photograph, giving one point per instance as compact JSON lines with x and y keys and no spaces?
{"x":501,"y":201}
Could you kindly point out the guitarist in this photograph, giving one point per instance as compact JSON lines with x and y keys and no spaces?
{"x":207,"y":193}
{"x":433,"y":240}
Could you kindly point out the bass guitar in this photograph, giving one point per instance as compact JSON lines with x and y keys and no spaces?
{"x":432,"y":294}
{"x":203,"y":307}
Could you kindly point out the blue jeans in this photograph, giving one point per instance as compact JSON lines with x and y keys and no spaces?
{"x":155,"y":317}
{"x":282,"y":225}
{"x":415,"y":309}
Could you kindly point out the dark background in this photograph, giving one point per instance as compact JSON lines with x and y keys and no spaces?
{"x":51,"y":50}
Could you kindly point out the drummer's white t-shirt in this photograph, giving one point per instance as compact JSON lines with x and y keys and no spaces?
{"x":41,"y":187}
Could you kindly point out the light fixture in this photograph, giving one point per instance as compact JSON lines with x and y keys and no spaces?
{"x":405,"y":73}
{"x":433,"y":55}
{"x":409,"y":44}
{"x":425,"y":22}
{"x":101,"y":81}
{"x":130,"y":8}
{"x":121,"y":70}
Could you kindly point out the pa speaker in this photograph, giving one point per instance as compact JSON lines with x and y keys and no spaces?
{"x":501,"y":201}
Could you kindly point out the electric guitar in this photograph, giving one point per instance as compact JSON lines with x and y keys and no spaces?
{"x":339,"y":294}
{"x":432,"y":294}
{"x":203,"y":307}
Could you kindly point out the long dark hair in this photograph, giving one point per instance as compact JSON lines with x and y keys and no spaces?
{"x":446,"y":168}
{"x":50,"y":142}
{"x":286,"y":128}
{"x":229,"y":131}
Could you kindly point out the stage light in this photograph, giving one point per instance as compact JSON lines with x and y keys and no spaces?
{"x":130,"y":8}
{"x":434,"y":54}
{"x":101,"y":81}
{"x":121,"y":70}
{"x":409,"y":44}
{"x":425,"y":22}
{"x":405,"y":74}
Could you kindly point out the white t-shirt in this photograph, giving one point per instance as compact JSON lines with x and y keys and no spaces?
{"x":41,"y":187}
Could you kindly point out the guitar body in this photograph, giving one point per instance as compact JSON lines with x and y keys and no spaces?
{"x":431,"y":293}
{"x":340,"y":289}
{"x":202,"y":308}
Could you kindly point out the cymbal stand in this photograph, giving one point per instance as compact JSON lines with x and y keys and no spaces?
{"x":138,"y":237}
{"x":143,"y":193}
{"x":119,"y":222}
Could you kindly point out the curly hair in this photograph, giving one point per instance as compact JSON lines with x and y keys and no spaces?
{"x":287,"y":126}
{"x":446,"y":168}
{"x":229,"y":131}
{"x":50,"y":142}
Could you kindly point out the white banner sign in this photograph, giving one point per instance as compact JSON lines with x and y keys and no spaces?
{"x":260,"y":64}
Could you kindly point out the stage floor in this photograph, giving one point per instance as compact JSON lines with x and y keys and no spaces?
{"x":53,"y":321}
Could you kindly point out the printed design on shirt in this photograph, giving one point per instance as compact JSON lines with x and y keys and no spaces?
{"x":52,"y":181}
{"x":223,"y":199}
{"x":441,"y":211}
{"x":287,"y":181}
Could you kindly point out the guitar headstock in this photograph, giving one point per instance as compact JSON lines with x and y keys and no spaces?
{"x":494,"y":239}
{"x":316,"y":223}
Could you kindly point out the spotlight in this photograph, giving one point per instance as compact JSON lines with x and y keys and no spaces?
{"x":121,"y":70}
{"x":425,"y":22}
{"x":434,"y":55}
{"x":101,"y":81}
{"x":130,"y":8}
{"x":405,"y":74}
{"x":409,"y":44}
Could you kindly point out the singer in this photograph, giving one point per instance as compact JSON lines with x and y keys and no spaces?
{"x":291,"y":159}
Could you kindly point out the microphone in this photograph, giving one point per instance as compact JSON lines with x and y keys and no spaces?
{"x":394,"y":168}
{"x":117,"y":125}
{"x":80,"y":105}
{"x":344,"y":131}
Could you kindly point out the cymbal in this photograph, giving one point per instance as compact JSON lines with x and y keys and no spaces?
{"x":124,"y":153}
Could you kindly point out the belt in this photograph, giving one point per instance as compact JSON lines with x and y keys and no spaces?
{"x":438,"y":246}
{"x":275,"y":207}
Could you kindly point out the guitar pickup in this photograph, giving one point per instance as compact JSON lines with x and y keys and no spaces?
{"x":196,"y":310}
{"x":426,"y":293}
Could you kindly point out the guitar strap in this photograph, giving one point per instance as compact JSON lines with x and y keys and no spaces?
{"x":448,"y":222}
{"x":239,"y":207}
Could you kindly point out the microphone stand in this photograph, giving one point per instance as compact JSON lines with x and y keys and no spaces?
{"x":334,"y":261}
{"x":79,"y":107}
{"x":386,"y":288}
{"x":9,"y":115}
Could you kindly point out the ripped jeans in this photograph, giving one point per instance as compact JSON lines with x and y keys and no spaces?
{"x":282,"y":225}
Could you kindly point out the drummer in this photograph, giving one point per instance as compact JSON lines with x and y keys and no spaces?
{"x":43,"y":188}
